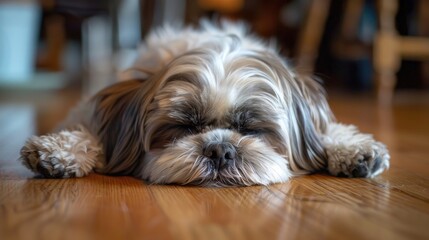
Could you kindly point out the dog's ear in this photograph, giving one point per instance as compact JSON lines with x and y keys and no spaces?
{"x":118,"y":119}
{"x":309,"y":116}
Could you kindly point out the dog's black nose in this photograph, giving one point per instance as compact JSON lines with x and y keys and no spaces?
{"x":221,"y":154}
{"x":360,"y":171}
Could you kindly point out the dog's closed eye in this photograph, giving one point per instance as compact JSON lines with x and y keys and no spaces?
{"x":249,"y":131}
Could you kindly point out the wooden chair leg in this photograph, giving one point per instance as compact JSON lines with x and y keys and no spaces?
{"x":311,"y":34}
{"x":386,"y":55}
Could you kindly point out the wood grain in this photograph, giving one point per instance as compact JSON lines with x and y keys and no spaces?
{"x":394,"y":205}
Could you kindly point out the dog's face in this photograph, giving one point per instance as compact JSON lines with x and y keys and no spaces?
{"x":217,"y":120}
{"x":216,"y":115}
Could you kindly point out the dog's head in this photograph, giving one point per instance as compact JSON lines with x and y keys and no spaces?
{"x":218,"y":114}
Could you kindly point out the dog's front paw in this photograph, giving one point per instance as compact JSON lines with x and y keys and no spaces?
{"x":364,"y":160}
{"x":51,"y":156}
{"x":43,"y":155}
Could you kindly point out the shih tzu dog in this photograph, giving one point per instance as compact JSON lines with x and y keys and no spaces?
{"x":209,"y":106}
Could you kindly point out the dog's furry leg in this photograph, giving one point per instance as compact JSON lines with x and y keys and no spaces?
{"x":68,"y":153}
{"x":353,"y":154}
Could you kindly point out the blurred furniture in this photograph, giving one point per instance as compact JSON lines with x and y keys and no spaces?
{"x":311,"y":34}
{"x":19,"y":25}
{"x":390,"y":47}
{"x":110,"y":41}
{"x":347,"y":45}
{"x":222,"y":6}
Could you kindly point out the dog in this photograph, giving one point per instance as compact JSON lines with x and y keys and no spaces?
{"x":212,"y":106}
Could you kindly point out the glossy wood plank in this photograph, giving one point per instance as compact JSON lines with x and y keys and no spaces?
{"x":394,"y":205}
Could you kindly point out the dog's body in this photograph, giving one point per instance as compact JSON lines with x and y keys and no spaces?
{"x":210,"y":106}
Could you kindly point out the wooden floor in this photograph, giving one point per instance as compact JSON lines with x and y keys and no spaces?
{"x":392,"y":206}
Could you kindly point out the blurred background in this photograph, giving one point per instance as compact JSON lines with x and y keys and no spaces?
{"x":53,"y":52}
